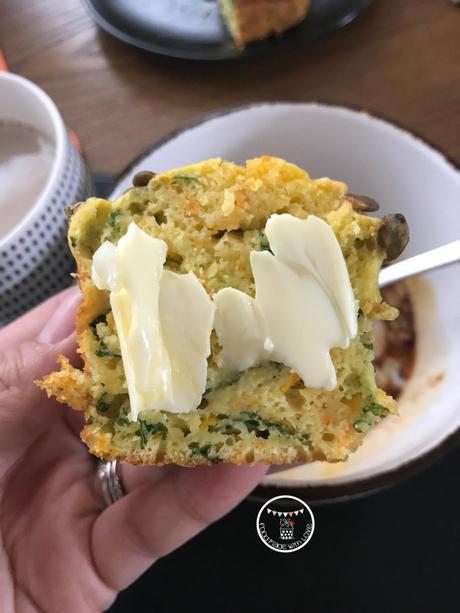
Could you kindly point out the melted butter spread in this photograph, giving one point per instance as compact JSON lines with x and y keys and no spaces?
{"x":304,"y":304}
{"x":163,"y":320}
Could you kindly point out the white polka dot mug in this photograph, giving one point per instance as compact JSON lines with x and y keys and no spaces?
{"x":35,"y":261}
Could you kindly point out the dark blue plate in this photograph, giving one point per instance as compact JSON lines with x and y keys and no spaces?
{"x":194,"y":30}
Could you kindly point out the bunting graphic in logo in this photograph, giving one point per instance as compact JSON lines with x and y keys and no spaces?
{"x":285,"y":524}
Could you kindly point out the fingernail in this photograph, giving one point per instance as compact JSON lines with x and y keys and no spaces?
{"x":62,"y":323}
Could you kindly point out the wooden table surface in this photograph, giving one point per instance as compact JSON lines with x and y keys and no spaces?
{"x":399,"y":59}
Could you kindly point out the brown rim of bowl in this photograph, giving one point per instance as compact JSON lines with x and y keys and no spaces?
{"x":342,"y":492}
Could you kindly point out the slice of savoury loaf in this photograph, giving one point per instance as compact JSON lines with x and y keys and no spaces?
{"x":211,"y":216}
{"x":251,"y":20}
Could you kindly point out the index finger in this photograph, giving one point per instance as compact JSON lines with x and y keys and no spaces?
{"x":130,"y":535}
{"x":29,"y":325}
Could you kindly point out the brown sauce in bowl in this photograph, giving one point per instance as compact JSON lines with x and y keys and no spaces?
{"x":395,"y":341}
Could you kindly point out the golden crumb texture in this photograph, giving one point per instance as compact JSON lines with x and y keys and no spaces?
{"x":251,"y":20}
{"x":212,"y":215}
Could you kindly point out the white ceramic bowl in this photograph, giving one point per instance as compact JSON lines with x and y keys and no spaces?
{"x":404,"y":175}
{"x":35,"y":261}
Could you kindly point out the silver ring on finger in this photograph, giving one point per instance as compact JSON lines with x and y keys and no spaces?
{"x":109,"y":478}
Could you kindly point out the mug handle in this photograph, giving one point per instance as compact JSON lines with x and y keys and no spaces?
{"x":76,"y":141}
{"x":3,"y":64}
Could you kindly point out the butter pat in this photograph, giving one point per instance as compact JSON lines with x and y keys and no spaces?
{"x":240,"y":329}
{"x":163,"y":320}
{"x":304,"y":304}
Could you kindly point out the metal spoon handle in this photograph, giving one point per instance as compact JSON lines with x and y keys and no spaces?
{"x":435,"y":258}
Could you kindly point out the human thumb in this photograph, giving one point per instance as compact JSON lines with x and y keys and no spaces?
{"x":28,"y":350}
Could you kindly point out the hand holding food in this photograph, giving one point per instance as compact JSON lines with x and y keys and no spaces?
{"x":62,"y":550}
